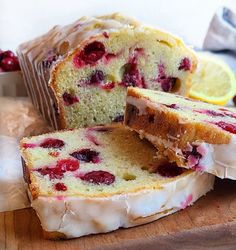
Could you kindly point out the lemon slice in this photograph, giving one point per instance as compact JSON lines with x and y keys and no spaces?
{"x":213,"y":81}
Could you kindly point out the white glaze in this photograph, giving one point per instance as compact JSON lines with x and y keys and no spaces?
{"x":219,"y":160}
{"x":78,"y":216}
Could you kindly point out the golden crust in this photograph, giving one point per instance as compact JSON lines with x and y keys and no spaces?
{"x":30,"y":180}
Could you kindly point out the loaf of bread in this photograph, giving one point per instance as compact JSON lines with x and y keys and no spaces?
{"x":99,"y":179}
{"x":77,"y":75}
{"x":192,"y":133}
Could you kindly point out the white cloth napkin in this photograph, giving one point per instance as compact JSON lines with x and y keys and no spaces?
{"x":13,"y":189}
{"x":221,"y":34}
{"x":18,"y":118}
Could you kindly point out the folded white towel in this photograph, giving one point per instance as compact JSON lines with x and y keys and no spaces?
{"x":13,"y":191}
{"x":221,"y":34}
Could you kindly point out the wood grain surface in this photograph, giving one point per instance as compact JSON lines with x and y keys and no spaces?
{"x":209,"y":224}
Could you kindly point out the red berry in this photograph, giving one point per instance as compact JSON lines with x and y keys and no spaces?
{"x":86,"y":155}
{"x":193,"y":156}
{"x":105,"y":34}
{"x":8,"y":53}
{"x":90,"y":54}
{"x":169,"y":170}
{"x":108,"y":86}
{"x":234,"y":100}
{"x":132,"y":76}
{"x":108,"y":57}
{"x":60,"y":186}
{"x":1,"y":55}
{"x":54,"y":173}
{"x":185,"y":64}
{"x":68,"y":164}
{"x":101,"y":129}
{"x":171,"y":106}
{"x":99,"y":177}
{"x":10,"y":64}
{"x":226,"y":126}
{"x":97,"y":77}
{"x":209,"y":112}
{"x":194,"y":152}
{"x":167,"y":82}
{"x":93,"y":52}
{"x":52,"y":143}
{"x":61,"y":167}
{"x":228,"y":112}
{"x":1,"y":69}
{"x":29,"y":145}
{"x":69,"y":99}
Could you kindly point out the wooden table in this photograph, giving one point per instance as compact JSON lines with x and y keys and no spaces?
{"x":209,"y":223}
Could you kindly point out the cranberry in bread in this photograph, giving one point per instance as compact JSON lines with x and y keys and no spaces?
{"x":96,"y":180}
{"x":77,"y":74}
{"x":194,"y":134}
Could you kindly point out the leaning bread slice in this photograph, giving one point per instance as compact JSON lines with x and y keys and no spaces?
{"x":98,"y":179}
{"x":193,"y":134}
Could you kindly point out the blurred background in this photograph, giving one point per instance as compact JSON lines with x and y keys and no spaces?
{"x":25,"y":19}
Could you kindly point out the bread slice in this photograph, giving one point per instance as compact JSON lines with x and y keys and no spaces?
{"x":98,"y":179}
{"x":89,"y":63}
{"x":193,"y":134}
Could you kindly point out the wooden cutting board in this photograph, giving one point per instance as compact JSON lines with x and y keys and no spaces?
{"x":209,"y":223}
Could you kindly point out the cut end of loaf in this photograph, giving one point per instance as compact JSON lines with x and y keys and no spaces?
{"x":93,"y":162}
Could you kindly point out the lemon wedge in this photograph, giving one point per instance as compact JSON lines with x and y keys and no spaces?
{"x":213,"y":81}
